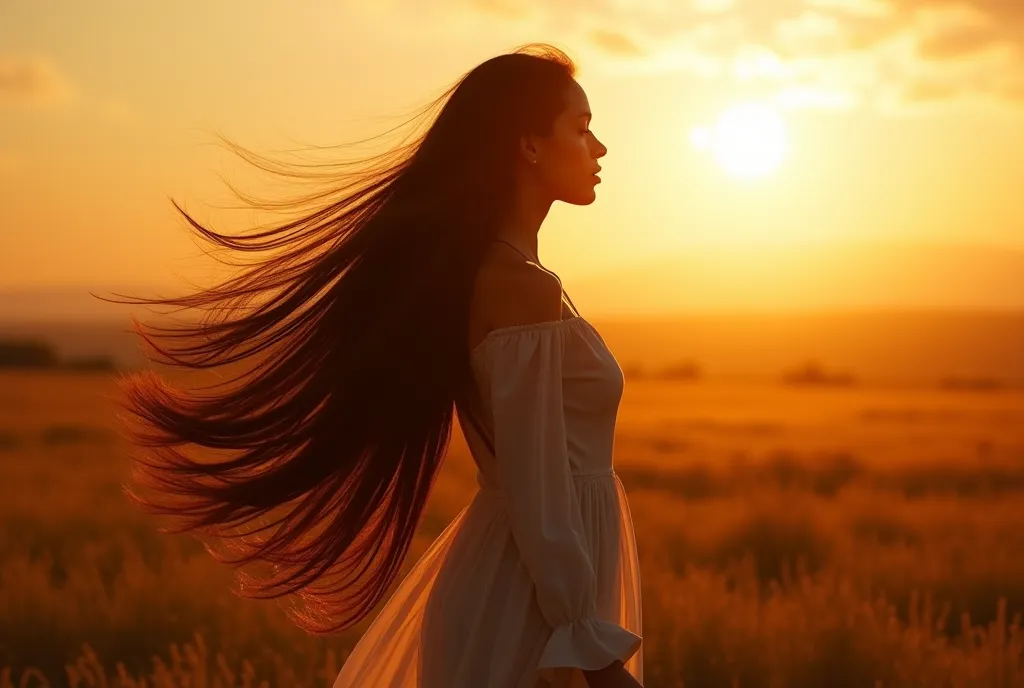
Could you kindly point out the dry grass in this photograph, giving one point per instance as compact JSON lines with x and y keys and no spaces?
{"x":788,"y":537}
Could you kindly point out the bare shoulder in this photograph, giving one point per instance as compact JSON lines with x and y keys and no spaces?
{"x":511,"y":290}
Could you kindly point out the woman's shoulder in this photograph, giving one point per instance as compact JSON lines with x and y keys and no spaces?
{"x":511,"y":293}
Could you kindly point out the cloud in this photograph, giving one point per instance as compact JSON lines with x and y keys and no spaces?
{"x":822,"y":53}
{"x":615,"y":43}
{"x":1014,"y":92}
{"x":33,"y":81}
{"x":957,"y":42}
{"x":811,"y":32}
{"x":857,"y":8}
{"x":36,"y":82}
{"x":929,"y":91}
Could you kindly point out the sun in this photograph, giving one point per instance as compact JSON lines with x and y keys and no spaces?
{"x":748,"y":141}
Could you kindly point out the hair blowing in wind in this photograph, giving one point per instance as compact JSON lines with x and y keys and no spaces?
{"x":351,"y":320}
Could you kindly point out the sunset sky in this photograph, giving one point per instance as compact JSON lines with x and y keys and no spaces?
{"x":901,"y":121}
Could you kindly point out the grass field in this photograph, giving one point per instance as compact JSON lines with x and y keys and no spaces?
{"x":788,"y":537}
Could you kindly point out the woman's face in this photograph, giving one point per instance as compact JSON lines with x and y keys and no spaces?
{"x":566,"y":161}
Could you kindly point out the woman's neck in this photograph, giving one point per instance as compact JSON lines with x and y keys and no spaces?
{"x":522,"y":227}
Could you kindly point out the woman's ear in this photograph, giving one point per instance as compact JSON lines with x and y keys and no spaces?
{"x":528,"y":148}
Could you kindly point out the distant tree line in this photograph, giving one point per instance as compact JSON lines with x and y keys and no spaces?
{"x":809,"y":373}
{"x":35,"y":354}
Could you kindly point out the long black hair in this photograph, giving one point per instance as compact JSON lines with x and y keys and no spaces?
{"x":355,"y":324}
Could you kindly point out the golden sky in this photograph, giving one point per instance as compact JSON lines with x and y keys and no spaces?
{"x":904,"y":120}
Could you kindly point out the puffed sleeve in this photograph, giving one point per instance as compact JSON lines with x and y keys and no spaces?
{"x":532,"y":463}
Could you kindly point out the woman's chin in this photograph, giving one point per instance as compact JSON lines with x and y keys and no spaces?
{"x":583,"y":196}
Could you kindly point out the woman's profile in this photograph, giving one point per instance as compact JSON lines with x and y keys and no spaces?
{"x":409,"y":291}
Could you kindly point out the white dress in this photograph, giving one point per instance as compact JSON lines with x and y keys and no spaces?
{"x":538,"y":577}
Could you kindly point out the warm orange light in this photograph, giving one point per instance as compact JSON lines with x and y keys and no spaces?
{"x":748,"y":141}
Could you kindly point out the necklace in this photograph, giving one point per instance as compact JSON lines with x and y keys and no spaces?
{"x":534,"y":259}
{"x":537,"y":260}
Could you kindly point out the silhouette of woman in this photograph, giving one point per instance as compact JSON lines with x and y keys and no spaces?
{"x":407,"y":293}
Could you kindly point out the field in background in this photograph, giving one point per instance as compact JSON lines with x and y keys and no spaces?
{"x":789,"y":536}
{"x":893,"y":348}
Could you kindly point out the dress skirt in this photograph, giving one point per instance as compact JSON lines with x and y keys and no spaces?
{"x":467,"y":616}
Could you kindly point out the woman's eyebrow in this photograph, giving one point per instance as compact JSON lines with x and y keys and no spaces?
{"x":585,"y":113}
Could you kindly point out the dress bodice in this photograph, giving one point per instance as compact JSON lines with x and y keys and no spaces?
{"x":565,"y":375}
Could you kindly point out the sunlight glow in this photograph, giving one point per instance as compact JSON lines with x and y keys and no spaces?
{"x":748,"y":141}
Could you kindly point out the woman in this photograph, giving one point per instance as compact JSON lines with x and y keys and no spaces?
{"x":409,"y":291}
